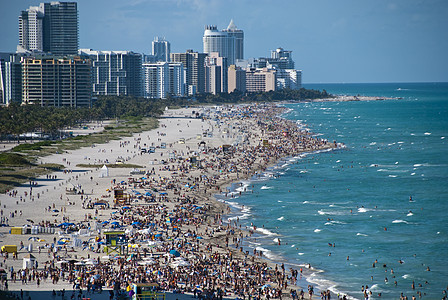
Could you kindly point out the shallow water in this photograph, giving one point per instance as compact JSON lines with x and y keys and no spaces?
{"x":358,"y":198}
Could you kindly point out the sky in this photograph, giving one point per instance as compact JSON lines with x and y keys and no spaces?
{"x":344,"y":41}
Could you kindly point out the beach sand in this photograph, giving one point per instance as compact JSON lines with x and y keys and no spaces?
{"x":49,"y":199}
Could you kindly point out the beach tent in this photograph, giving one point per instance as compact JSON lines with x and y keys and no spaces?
{"x":104,"y":172}
{"x":29,"y":261}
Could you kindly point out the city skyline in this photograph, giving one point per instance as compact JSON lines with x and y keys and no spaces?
{"x":348,"y":41}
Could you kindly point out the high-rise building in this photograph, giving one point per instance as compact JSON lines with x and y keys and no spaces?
{"x":10,"y":78}
{"x":156,"y":83}
{"x":31,"y":28}
{"x":219,"y":41}
{"x":236,"y":79}
{"x":51,"y":27}
{"x":232,"y":30}
{"x":213,"y":79}
{"x":162,"y":79}
{"x":161,"y":49}
{"x":260,"y":80}
{"x":216,"y":73}
{"x":281,"y":59}
{"x":194,"y":63}
{"x":115,"y":72}
{"x":289,"y":79}
{"x":57,"y":81}
{"x":177,"y":79}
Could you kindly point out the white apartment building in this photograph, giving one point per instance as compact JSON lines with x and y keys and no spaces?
{"x":289,"y":79}
{"x":162,"y":78}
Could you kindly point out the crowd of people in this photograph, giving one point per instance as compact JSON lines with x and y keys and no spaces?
{"x":176,"y":234}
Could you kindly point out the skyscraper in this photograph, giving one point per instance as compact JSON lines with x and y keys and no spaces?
{"x":216,"y":73}
{"x":194,"y":63}
{"x":156,"y":83}
{"x":232,"y":30}
{"x":31,"y":28}
{"x":115,"y":72}
{"x":161,"y":49}
{"x":163,"y":78}
{"x":10,"y":78}
{"x":51,"y":27}
{"x":219,"y":41}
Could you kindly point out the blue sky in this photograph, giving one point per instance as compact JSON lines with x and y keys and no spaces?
{"x":332,"y":41}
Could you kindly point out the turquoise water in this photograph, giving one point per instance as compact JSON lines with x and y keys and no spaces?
{"x":358,"y":198}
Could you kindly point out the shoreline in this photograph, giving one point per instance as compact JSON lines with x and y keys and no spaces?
{"x":219,"y":184}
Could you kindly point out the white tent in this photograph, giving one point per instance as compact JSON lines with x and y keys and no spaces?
{"x":104,"y":171}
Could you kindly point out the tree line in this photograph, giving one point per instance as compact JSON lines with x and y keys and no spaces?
{"x":17,"y":119}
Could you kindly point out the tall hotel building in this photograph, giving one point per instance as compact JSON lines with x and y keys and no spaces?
{"x":238,"y":34}
{"x":115,"y":72}
{"x":194,"y":63}
{"x":51,"y":27}
{"x":229,"y":43}
{"x":57,"y":81}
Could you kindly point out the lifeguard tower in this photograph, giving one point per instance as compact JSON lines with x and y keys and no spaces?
{"x":117,"y":242}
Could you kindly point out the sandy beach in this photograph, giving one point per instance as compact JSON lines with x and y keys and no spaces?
{"x":177,"y":234}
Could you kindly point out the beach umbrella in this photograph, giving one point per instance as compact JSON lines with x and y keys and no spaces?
{"x":55,"y":210}
{"x":148,"y":194}
{"x":163,"y":193}
{"x":199,"y":237}
{"x":175,"y":253}
{"x":158,"y":235}
{"x":126,"y":207}
{"x":136,"y":223}
{"x":105,"y":222}
{"x":65,"y":224}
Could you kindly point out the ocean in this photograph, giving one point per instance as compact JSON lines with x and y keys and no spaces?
{"x":371,"y":214}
